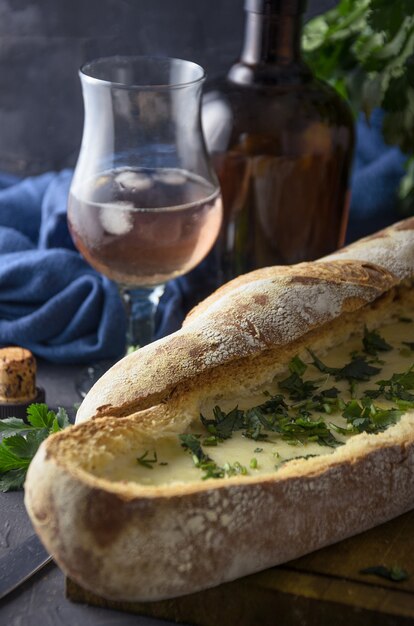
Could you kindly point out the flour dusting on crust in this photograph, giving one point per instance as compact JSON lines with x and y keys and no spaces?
{"x":266,"y":309}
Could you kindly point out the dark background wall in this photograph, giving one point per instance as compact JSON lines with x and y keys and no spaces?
{"x":43,"y":43}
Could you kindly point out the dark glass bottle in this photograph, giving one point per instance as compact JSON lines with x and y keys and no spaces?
{"x":281,"y":142}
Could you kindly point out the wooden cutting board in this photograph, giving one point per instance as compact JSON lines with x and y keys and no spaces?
{"x":325,"y":588}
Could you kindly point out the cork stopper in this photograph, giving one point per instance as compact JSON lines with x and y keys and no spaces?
{"x":17,"y":376}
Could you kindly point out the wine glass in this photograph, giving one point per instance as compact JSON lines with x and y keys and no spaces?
{"x":144,"y":204}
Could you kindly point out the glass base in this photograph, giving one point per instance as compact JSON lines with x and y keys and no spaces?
{"x":141,"y":305}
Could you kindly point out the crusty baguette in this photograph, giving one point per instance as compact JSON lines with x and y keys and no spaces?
{"x":128,"y":541}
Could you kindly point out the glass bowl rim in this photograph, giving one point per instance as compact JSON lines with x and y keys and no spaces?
{"x":147,"y":87}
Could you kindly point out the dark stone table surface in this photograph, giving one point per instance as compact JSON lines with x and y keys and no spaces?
{"x":41,"y":600}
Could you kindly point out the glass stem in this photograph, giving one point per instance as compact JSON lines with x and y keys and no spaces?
{"x":141,"y":305}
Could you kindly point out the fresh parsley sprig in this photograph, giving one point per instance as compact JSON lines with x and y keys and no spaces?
{"x":365,"y":49}
{"x":22,"y":440}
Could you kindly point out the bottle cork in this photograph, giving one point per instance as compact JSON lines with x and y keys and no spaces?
{"x":17,"y":381}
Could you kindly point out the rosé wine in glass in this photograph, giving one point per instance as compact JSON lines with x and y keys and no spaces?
{"x":145,"y":226}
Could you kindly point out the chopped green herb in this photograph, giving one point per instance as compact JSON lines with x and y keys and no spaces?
{"x":365,"y":417}
{"x":304,"y":429}
{"x":266,"y":416}
{"x":18,"y":448}
{"x":357,"y":369}
{"x":325,"y":402}
{"x":224,"y":424}
{"x":297,"y":366}
{"x":410,"y":344}
{"x":405,"y":320}
{"x":396,"y":573}
{"x":192,"y":443}
{"x":295,"y":422}
{"x":404,"y":379}
{"x":321,"y":366}
{"x":374,"y":343}
{"x":294,"y":384}
{"x":200,"y":458}
{"x":352,"y":388}
{"x":298,"y":388}
{"x":396,"y":389}
{"x":340,"y":430}
{"x":295,"y":458}
{"x":211,"y":441}
{"x":235,"y":469}
{"x":211,"y":470}
{"x":147,"y":461}
{"x":163,"y":463}
{"x":254,"y":423}
{"x":273,"y":417}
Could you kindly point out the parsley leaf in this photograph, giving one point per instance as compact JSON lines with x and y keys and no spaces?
{"x":62,"y":418}
{"x":298,"y":388}
{"x":39,"y":416}
{"x":365,"y":417}
{"x":200,"y":458}
{"x":363,"y":48}
{"x":374,"y":343}
{"x":410,"y":344}
{"x":223,"y":424}
{"x":147,"y":461}
{"x":13,"y":479}
{"x":192,"y":443}
{"x":397,"y":388}
{"x":297,"y":366}
{"x":304,"y":429}
{"x":13,"y":425}
{"x":356,"y":369}
{"x":19,"y":447}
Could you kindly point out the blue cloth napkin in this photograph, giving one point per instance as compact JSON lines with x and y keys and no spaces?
{"x":377,"y":171}
{"x":53,"y":303}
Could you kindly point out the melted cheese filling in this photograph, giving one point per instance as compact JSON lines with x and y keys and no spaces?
{"x":175,"y":465}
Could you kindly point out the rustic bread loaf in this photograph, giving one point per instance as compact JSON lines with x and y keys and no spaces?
{"x":128,"y":540}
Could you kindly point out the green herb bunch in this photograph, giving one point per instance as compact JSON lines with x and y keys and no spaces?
{"x":365,"y":49}
{"x":22,"y":440}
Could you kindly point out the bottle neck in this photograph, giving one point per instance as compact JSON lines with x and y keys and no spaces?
{"x":272,"y":39}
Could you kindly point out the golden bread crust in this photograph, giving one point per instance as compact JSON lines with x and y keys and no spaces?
{"x":128,"y":541}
